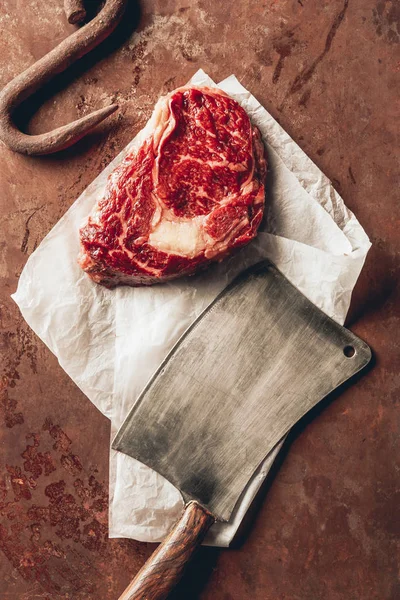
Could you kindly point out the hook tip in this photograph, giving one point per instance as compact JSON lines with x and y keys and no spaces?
{"x":109,"y":110}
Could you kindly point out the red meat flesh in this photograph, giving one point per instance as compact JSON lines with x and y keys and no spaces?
{"x":190,"y":194}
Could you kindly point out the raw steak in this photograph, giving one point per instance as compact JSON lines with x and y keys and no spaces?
{"x":190,"y":194}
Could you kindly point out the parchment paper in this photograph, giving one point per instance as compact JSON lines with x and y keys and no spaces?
{"x":110,"y":342}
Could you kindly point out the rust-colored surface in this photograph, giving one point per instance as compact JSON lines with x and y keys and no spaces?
{"x":328,"y":528}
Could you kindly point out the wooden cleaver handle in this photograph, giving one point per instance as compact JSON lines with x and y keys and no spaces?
{"x":159,"y":575}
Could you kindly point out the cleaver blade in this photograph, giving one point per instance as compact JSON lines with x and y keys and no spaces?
{"x":256,"y":360}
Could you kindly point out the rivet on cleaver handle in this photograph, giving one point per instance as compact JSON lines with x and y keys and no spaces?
{"x":257,"y":359}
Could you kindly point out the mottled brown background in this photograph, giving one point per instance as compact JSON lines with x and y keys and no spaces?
{"x":327,"y":526}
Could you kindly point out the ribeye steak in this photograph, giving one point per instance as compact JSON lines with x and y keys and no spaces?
{"x":191,"y":193}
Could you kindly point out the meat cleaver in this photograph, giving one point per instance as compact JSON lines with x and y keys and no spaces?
{"x":257,"y":359}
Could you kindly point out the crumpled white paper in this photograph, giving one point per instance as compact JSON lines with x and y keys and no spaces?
{"x":111,"y":342}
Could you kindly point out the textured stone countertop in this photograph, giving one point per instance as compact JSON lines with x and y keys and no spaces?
{"x":327,"y":524}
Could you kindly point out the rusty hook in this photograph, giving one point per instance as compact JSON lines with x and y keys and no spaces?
{"x":57,"y":60}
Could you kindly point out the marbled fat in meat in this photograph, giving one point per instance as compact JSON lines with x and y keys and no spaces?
{"x":192,"y":193}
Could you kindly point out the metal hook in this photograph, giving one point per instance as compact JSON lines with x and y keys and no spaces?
{"x":57,"y":60}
